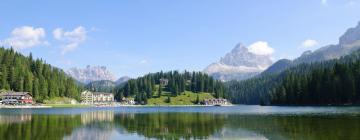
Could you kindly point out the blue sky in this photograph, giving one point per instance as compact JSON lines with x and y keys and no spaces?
{"x":135,"y":37}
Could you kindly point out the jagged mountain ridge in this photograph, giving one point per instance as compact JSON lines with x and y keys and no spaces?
{"x":238,"y":64}
{"x":91,"y":73}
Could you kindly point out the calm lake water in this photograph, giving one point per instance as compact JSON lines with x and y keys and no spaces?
{"x":235,"y":122}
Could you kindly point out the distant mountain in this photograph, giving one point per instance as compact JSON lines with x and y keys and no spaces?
{"x":348,"y":42}
{"x":122,"y":80}
{"x":91,"y":73}
{"x":101,"y":86}
{"x":278,"y":66}
{"x":238,"y":64}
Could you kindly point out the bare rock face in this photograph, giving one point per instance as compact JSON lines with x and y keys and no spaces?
{"x":91,"y":73}
{"x":350,"y":36}
{"x":239,"y":64}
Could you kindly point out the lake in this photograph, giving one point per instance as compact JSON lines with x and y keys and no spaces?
{"x":234,"y":122}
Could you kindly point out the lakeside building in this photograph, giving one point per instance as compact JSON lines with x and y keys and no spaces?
{"x":127,"y":101}
{"x":164,"y":82}
{"x":11,"y":97}
{"x":97,"y":98}
{"x":216,"y":102}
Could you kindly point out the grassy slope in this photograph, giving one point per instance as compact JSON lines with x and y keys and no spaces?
{"x":186,"y":98}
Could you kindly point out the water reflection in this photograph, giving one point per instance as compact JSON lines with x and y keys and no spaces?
{"x":8,"y":119}
{"x":98,"y":116}
{"x":171,"y":125}
{"x":95,"y":126}
{"x":104,"y":125}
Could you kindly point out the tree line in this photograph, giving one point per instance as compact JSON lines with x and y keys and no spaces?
{"x":334,"y":82}
{"x":21,"y":73}
{"x":149,"y":86}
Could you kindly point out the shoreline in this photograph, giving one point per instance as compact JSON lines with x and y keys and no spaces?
{"x":94,"y":106}
{"x":24,"y":106}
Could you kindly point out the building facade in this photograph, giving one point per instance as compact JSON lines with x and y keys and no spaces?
{"x":11,"y":97}
{"x":88,"y":97}
{"x":127,"y":101}
{"x":164,"y":82}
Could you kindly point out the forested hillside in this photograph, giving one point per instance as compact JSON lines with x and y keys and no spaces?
{"x":101,"y":86}
{"x":21,"y":73}
{"x":149,"y":85}
{"x":329,"y":82}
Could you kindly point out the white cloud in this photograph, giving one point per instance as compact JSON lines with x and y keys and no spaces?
{"x":324,"y":2}
{"x":25,"y":37}
{"x":144,"y":61}
{"x":71,"y":39}
{"x":308,"y":43}
{"x":351,"y":3}
{"x":261,"y":48}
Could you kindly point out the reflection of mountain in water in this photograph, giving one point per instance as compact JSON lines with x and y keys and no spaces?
{"x":92,"y":132}
{"x":96,"y":126}
{"x":171,"y":125}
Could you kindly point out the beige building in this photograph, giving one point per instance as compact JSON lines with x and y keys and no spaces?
{"x":88,"y":97}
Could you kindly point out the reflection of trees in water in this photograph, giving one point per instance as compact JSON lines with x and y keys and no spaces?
{"x":298,"y":127}
{"x":55,"y":127}
{"x":8,"y":119}
{"x":171,"y":125}
{"x":101,"y":124}
{"x":45,"y":127}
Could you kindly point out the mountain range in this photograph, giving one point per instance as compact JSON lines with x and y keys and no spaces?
{"x":348,"y":42}
{"x":91,"y":73}
{"x":241,"y":64}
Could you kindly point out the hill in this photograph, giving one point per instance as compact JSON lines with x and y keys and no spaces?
{"x":43,"y":81}
{"x":187,"y":98}
{"x":170,"y":85}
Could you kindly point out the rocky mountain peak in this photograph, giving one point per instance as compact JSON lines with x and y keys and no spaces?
{"x":240,"y":56}
{"x":91,"y":73}
{"x":238,"y":64}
